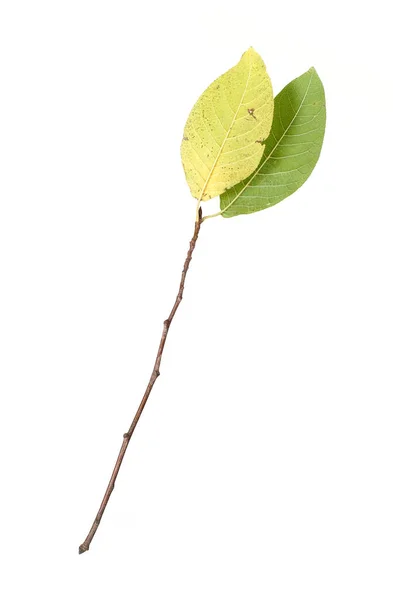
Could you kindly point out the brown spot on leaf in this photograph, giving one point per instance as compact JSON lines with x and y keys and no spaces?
{"x":251,"y":112}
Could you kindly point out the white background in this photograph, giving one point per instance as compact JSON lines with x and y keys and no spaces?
{"x":262,"y":466}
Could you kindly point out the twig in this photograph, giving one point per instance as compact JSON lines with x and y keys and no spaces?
{"x":156,"y":372}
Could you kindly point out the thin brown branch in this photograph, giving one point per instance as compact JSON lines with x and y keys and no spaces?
{"x":155,"y":374}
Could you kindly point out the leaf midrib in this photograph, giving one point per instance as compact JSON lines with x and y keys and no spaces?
{"x":227,"y":134}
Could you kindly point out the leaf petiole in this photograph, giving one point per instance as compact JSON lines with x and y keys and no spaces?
{"x":217,"y":214}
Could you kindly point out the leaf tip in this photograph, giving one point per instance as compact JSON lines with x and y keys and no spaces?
{"x":313,"y":72}
{"x":251,"y":52}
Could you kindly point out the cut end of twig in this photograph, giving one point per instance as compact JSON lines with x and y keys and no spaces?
{"x":83,"y":548}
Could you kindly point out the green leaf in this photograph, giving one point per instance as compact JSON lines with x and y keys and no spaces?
{"x":292,"y":148}
{"x":223,"y":136}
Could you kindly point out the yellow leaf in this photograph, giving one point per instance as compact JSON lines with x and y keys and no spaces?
{"x":224,"y":134}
